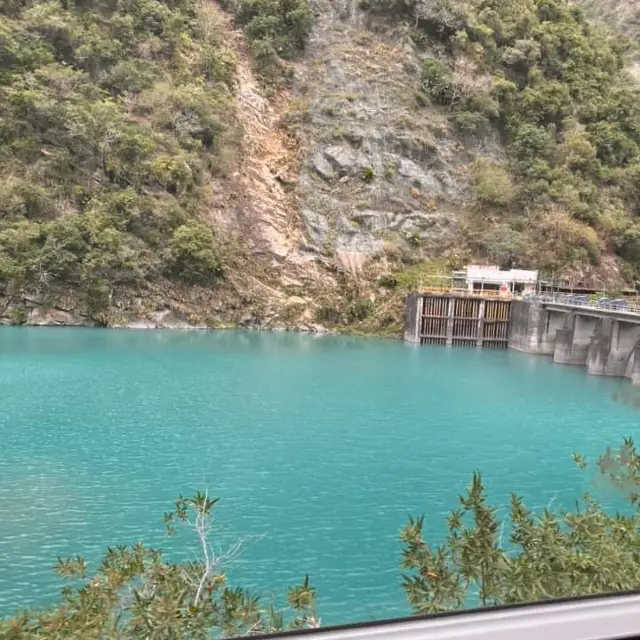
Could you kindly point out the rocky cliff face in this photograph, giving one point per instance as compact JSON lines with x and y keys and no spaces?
{"x":376,"y":171}
{"x":346,"y":176}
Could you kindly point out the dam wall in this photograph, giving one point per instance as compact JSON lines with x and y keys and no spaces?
{"x":605,"y":342}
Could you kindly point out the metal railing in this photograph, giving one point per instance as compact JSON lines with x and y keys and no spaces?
{"x":624,"y":305}
{"x":464,"y":292}
{"x":596,"y":303}
{"x":611,"y":617}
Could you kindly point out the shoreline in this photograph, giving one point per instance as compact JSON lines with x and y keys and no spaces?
{"x":148,"y":326}
{"x":40,"y":316}
{"x":167,"y":319}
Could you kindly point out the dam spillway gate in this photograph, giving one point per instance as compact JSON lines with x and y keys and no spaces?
{"x":458,"y":321}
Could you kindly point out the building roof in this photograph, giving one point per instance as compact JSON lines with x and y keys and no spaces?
{"x":493,"y":274}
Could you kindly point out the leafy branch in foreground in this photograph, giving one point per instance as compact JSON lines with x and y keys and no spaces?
{"x":136,"y":593}
{"x":549,"y":555}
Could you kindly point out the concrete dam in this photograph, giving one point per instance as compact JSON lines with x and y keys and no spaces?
{"x":604,"y":341}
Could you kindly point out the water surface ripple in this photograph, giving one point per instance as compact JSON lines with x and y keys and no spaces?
{"x":319,"y":448}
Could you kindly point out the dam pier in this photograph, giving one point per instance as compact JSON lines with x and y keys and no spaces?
{"x":600,"y":336}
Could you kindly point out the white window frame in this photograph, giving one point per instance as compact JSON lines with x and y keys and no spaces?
{"x":607,"y":617}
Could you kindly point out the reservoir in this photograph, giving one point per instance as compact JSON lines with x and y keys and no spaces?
{"x":319,"y":448}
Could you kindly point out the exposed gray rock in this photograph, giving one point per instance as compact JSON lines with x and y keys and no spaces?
{"x":336,"y":72}
{"x":350,"y":238}
{"x":362,"y":114}
{"x":419,"y":178}
{"x":346,"y":226}
{"x":429,"y":225}
{"x":30,"y":302}
{"x":357,"y":134}
{"x":167,"y":319}
{"x":311,"y":328}
{"x":374,"y":221}
{"x":362,"y":162}
{"x":409,"y":145}
{"x":140,"y":324}
{"x":322,"y":166}
{"x":42,"y":317}
{"x":358,"y":243}
{"x":456,"y":190}
{"x":317,"y":225}
{"x":296,"y":301}
{"x":343,"y":159}
{"x":250,"y":322}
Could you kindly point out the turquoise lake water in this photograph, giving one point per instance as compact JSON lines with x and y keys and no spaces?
{"x":318,"y":446}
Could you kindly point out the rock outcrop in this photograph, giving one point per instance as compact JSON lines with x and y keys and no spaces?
{"x":377,"y":170}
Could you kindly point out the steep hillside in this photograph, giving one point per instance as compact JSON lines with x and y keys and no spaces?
{"x":549,"y":88}
{"x":113,"y":120}
{"x":279,"y":163}
{"x":141,"y":166}
{"x":449,"y":130}
{"x":622,"y":16}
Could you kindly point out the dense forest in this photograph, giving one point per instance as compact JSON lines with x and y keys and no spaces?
{"x":115,"y":117}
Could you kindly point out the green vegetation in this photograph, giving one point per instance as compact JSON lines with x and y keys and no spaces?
{"x":276,"y":29}
{"x":539,"y":556}
{"x":115,"y":116}
{"x":620,"y":15}
{"x":356,"y":310}
{"x":137,"y":594}
{"x":430,"y":273}
{"x":350,"y":309}
{"x":367,"y":174}
{"x":494,"y":186}
{"x":483,"y":560}
{"x":552,"y":86}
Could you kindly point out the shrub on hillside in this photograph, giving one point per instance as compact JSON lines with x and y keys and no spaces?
{"x":628,"y":245}
{"x":436,"y":81}
{"x":192,"y":255}
{"x":553,"y":88}
{"x":278,"y":28}
{"x":113,"y":116}
{"x":494,"y":187}
{"x":556,"y":240}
